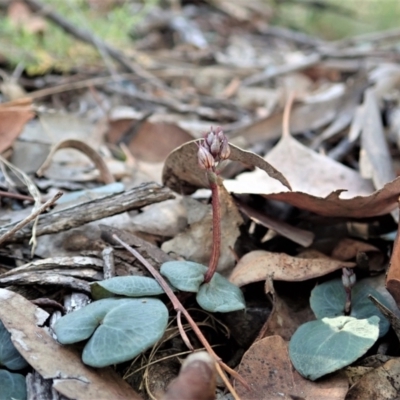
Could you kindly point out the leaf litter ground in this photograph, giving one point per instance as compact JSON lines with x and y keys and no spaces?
{"x":305,"y":193}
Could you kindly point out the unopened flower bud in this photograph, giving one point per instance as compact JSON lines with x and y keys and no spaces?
{"x":225,"y":149}
{"x":205,"y":159}
{"x":215,"y":147}
{"x":352,"y":279}
{"x":210,"y":136}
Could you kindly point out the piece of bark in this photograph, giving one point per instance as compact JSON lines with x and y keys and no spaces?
{"x":72,"y":217}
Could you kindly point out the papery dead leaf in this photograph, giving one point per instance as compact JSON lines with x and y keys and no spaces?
{"x":182,"y":173}
{"x":13,"y":117}
{"x":258,"y":265}
{"x":348,"y":248}
{"x":148,"y":141}
{"x":266,"y":367}
{"x":53,"y":361}
{"x":287,"y":314}
{"x":381,"y":383}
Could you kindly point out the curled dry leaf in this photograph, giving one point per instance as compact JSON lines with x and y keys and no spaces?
{"x":105,"y":174}
{"x":258,"y":265}
{"x":267,"y":369}
{"x":51,"y":360}
{"x":182,"y":173}
{"x":196,"y":380}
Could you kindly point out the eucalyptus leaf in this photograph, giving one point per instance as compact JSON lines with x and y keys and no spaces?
{"x":126,"y":331}
{"x":320,"y":347}
{"x":220,"y":295}
{"x":80,"y":325}
{"x":12,"y":386}
{"x":184,"y":275}
{"x":328,"y":300}
{"x":130,"y":286}
{"x":9,"y":355}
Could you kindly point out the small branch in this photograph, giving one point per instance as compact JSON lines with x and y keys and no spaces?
{"x":30,"y":218}
{"x":16,"y":196}
{"x":180,"y":308}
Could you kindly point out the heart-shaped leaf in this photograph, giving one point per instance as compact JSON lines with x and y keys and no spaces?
{"x":9,"y":355}
{"x":220,"y":295}
{"x":320,"y":347}
{"x":126,"y":331}
{"x":125,"y":328}
{"x":184,"y":275}
{"x":130,"y":286}
{"x":329,"y":298}
{"x":80,"y":325}
{"x":12,"y":386}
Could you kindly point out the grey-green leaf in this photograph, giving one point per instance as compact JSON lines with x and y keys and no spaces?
{"x":130,"y":286}
{"x":80,"y":325}
{"x":12,"y":386}
{"x":9,"y":355}
{"x":220,"y":295}
{"x":126,"y":331}
{"x":320,"y":347}
{"x":328,"y":300}
{"x":184,"y":275}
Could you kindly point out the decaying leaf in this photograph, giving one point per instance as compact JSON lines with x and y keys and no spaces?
{"x":380,"y":383}
{"x":266,"y":367}
{"x":13,"y":117}
{"x":258,"y":265}
{"x":53,"y":361}
{"x":183,"y":175}
{"x":348,"y":248}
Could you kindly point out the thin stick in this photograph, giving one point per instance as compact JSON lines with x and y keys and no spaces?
{"x":178,"y":306}
{"x":182,"y":331}
{"x":226,"y":381}
{"x":16,"y":196}
{"x":286,"y":115}
{"x":30,"y":218}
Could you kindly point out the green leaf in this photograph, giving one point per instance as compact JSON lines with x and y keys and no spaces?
{"x":80,"y":325}
{"x":184,"y":275}
{"x":328,"y":300}
{"x":220,"y":295}
{"x":130,"y":286}
{"x":126,"y":331}
{"x":9,"y":355}
{"x":12,"y":386}
{"x":120,"y":329}
{"x":320,"y":347}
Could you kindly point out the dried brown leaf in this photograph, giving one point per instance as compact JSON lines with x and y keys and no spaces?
{"x":182,"y":173}
{"x":62,"y":364}
{"x":13,"y":117}
{"x":348,"y":248}
{"x":258,"y":265}
{"x":266,"y":367}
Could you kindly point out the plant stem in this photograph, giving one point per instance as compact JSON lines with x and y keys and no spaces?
{"x":216,"y":216}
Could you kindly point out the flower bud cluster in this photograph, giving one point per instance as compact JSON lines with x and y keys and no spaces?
{"x":213,"y":149}
{"x":348,"y":278}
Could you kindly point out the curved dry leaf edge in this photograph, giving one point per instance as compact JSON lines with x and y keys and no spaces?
{"x":105,"y":174}
{"x":182,"y":173}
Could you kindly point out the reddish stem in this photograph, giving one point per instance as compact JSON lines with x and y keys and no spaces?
{"x":216,"y":216}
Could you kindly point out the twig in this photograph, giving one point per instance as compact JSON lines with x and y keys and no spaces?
{"x":16,"y":196}
{"x":109,"y":265}
{"x":30,"y":218}
{"x":180,"y":308}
